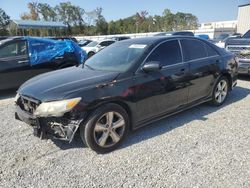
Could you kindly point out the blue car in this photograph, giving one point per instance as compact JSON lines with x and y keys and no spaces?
{"x":22,"y":58}
{"x":203,"y":36}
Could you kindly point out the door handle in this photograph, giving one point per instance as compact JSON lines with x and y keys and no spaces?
{"x":23,"y":62}
{"x":182,"y":72}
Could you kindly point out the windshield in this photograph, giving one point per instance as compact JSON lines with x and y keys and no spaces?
{"x":118,"y":57}
{"x":247,"y":35}
{"x":222,"y":36}
{"x":92,"y":44}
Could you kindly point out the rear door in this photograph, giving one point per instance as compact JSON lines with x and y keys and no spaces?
{"x":14,"y":64}
{"x":164,"y":91}
{"x":204,"y":64}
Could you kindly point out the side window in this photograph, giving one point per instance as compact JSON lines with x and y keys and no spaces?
{"x":193,"y":49}
{"x":210,"y":51}
{"x":168,"y":53}
{"x":110,"y":42}
{"x":14,"y":49}
{"x":106,"y":43}
{"x":102,"y":44}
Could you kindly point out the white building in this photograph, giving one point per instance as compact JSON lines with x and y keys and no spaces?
{"x":243,"y":16}
{"x":214,"y":29}
{"x":219,"y":25}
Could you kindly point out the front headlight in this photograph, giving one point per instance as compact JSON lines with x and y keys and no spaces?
{"x":56,"y":108}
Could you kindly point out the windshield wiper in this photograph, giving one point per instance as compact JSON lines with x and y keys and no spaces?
{"x":88,"y":66}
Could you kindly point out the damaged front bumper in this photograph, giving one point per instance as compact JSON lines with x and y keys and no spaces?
{"x":63,"y":128}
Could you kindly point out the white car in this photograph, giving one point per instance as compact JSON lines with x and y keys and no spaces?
{"x":96,"y":46}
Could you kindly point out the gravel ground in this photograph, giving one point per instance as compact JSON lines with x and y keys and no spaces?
{"x":202,"y":147}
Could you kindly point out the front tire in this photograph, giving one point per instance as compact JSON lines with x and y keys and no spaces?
{"x":106,"y":128}
{"x":220,"y":91}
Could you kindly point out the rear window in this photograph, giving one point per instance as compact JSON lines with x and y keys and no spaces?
{"x":106,"y":43}
{"x":193,"y":49}
{"x":210,"y":51}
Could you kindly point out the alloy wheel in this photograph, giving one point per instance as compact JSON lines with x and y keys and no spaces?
{"x":221,"y":91}
{"x":109,"y":129}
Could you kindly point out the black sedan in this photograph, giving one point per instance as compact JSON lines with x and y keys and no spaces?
{"x":126,"y":86}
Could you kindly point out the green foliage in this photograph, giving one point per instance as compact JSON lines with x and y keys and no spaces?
{"x":141,"y":22}
{"x":47,"y":12}
{"x":101,"y":24}
{"x":33,"y":14}
{"x":70,"y":14}
{"x":4,"y":22}
{"x":94,"y":23}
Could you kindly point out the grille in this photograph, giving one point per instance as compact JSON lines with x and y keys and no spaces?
{"x":239,"y":51}
{"x":242,"y":56}
{"x":237,"y":48}
{"x":28,"y":104}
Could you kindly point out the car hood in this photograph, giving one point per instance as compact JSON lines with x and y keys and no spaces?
{"x":57,"y":85}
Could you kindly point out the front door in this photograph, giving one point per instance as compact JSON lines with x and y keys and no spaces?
{"x":158,"y":93}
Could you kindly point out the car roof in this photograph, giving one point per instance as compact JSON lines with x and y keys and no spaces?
{"x":10,"y":39}
{"x":173,"y":33}
{"x":156,"y":39}
{"x":119,"y":37}
{"x":105,"y":40}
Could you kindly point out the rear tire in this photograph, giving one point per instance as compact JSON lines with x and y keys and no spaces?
{"x":106,"y":128}
{"x":220,"y":92}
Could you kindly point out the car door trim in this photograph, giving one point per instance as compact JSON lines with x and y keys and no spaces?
{"x":200,"y":59}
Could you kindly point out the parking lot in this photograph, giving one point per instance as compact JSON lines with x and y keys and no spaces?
{"x":202,"y":147}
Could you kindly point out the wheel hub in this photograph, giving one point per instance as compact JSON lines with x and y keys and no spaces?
{"x":221,"y":92}
{"x":109,"y":129}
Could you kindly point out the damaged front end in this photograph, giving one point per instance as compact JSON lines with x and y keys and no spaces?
{"x":59,"y":128}
{"x":59,"y":122}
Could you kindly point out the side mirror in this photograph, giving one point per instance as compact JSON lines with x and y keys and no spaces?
{"x":152,"y":66}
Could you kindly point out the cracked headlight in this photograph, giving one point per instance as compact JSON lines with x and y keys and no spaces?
{"x":56,"y":108}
